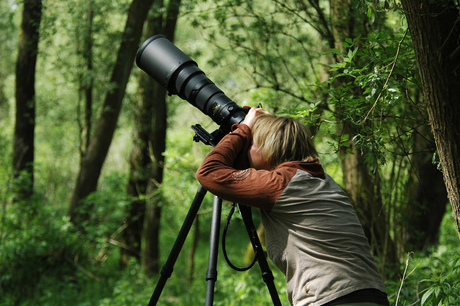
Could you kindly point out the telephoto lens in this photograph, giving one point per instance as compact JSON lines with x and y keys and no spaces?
{"x":181,"y":76}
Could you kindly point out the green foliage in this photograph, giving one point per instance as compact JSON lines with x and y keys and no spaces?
{"x":132,"y":287}
{"x":35,"y":243}
{"x":442,"y":283}
{"x":444,"y":289}
{"x":368,"y":91}
{"x":5,"y":166}
{"x":8,"y":39}
{"x":105,"y":211}
{"x":268,"y":52}
{"x":430,"y":278}
{"x":44,"y":259}
{"x":268,"y":47}
{"x":248,"y":288}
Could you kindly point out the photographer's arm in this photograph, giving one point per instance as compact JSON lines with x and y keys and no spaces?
{"x":258,"y":188}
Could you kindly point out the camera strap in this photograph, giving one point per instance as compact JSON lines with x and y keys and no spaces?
{"x":224,"y":235}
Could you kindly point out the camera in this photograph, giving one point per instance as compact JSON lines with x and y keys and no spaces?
{"x":180,"y":75}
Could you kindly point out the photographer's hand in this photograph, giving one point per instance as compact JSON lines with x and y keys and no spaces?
{"x":251,"y":116}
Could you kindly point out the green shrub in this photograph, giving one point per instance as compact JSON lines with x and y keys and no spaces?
{"x":444,"y":289}
{"x":433,"y":277}
{"x":32,"y":247}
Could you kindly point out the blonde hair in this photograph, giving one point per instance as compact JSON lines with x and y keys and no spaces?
{"x":282,"y":139}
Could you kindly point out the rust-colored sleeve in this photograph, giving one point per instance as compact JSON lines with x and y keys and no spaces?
{"x":258,"y":188}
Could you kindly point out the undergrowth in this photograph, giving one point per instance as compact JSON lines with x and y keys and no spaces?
{"x":432,"y":277}
{"x":44,"y":260}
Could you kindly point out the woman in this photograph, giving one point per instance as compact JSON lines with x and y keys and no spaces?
{"x":312,"y":232}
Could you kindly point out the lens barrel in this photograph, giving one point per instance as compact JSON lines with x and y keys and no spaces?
{"x":181,"y":76}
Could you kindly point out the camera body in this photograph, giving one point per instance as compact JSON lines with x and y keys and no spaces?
{"x":181,"y":76}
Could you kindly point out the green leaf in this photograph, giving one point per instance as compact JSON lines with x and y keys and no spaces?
{"x":427,"y":295}
{"x":371,"y":15}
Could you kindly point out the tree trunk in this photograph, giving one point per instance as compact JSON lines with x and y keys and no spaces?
{"x":363,"y":188}
{"x":87,"y":83}
{"x":428,"y":196}
{"x":435,"y":29}
{"x":97,"y":151}
{"x":151,"y":250}
{"x":140,"y":162}
{"x":24,"y":130}
{"x":147,"y":159}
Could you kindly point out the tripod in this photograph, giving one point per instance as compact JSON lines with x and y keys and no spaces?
{"x":211,"y":274}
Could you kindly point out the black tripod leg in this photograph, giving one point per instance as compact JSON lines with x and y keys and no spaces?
{"x":167,"y":269}
{"x":267,"y":274}
{"x":211,"y":274}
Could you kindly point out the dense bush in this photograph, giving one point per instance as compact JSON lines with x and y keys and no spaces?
{"x":430,"y":278}
{"x":36,"y":243}
{"x":44,"y":260}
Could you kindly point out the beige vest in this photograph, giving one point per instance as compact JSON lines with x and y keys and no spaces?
{"x":315,"y":238}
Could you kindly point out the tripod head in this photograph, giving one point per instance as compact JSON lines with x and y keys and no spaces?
{"x":208,"y":139}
